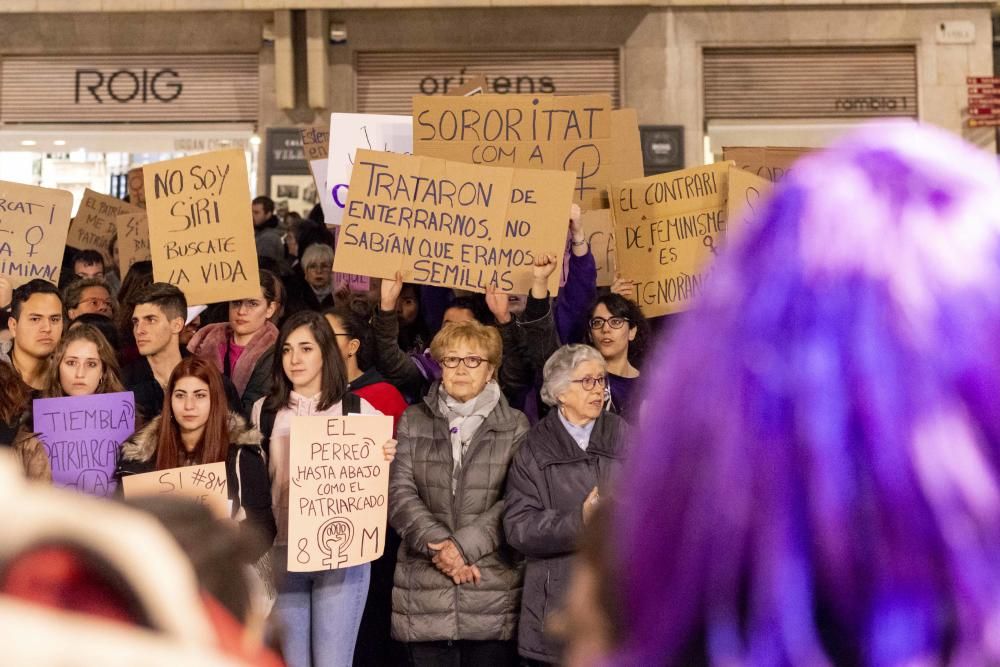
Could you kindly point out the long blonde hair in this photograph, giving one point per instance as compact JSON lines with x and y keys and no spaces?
{"x":110,"y":375}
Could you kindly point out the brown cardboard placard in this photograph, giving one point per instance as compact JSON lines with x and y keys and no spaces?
{"x":33,"y":225}
{"x":746,"y":193}
{"x":768,"y":162}
{"x":206,"y":484}
{"x":316,"y":143}
{"x":667,"y":229}
{"x":201,"y":228}
{"x":133,"y":238}
{"x":338,"y":494}
{"x":581,"y":134}
{"x":94,"y":224}
{"x":450,"y":223}
{"x":599,"y":227}
{"x":136,"y":188}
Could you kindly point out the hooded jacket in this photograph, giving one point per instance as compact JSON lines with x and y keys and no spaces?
{"x":251,"y":374}
{"x":426,"y":604}
{"x":246,"y":475}
{"x":549,"y":479}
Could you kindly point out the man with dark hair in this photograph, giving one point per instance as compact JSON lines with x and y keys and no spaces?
{"x":88,"y":264}
{"x":265,"y":230}
{"x":88,"y":295}
{"x":157,"y":321}
{"x":36,"y":324}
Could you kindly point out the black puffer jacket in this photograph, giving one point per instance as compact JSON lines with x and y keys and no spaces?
{"x":246,"y":474}
{"x":548,"y":481}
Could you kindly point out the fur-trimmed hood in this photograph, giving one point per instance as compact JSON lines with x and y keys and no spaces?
{"x":141,"y":447}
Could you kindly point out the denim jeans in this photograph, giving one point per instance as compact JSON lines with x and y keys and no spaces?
{"x":320,"y":612}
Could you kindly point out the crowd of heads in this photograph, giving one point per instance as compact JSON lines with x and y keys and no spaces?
{"x":801,"y":470}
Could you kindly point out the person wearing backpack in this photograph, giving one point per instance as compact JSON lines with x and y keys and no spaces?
{"x":320,"y":612}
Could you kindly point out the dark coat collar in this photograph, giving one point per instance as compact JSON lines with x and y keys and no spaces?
{"x":551,"y":443}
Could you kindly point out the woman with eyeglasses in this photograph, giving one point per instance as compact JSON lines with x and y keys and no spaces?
{"x":457,"y":588}
{"x":554,"y":485}
{"x":88,"y":295}
{"x":313,"y":289}
{"x":242,"y":349}
{"x":83,"y":364}
{"x":619,"y":331}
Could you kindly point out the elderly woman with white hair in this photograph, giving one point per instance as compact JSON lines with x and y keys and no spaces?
{"x":313,"y":290}
{"x":555,"y":481}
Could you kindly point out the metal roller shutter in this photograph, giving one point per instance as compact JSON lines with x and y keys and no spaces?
{"x":129,"y":89}
{"x":818,"y":82}
{"x":387,"y":81}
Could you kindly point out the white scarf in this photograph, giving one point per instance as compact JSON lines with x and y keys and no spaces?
{"x":464,"y":419}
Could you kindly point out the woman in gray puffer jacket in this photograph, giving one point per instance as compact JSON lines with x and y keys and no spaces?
{"x":457,"y":588}
{"x":566,"y":464}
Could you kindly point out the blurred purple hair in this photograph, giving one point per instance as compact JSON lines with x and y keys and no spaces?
{"x":816,"y":476}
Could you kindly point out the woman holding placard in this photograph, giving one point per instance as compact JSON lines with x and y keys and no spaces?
{"x":82,"y":364}
{"x":243,"y":348}
{"x":457,"y":586}
{"x":320,"y":611}
{"x":196,"y":427}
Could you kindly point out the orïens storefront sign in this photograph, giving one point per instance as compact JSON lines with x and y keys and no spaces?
{"x":129,"y":89}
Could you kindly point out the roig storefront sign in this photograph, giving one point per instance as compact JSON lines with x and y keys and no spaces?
{"x":127,"y":85}
{"x":130,"y":89}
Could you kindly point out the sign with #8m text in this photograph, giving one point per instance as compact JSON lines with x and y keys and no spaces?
{"x":200,"y":226}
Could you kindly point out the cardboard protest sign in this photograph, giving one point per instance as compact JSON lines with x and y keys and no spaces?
{"x":82,"y":436}
{"x":452,"y":224}
{"x":771,"y":163}
{"x":94,"y":224}
{"x":580,"y":134}
{"x":338,"y":491}
{"x":600,"y":230}
{"x":667,"y":229}
{"x":206,"y":484}
{"x":745,"y":197}
{"x":201,"y":228}
{"x":348,"y":133}
{"x":133,"y":238}
{"x":136,"y":188}
{"x":33,"y":226}
{"x":316,"y":143}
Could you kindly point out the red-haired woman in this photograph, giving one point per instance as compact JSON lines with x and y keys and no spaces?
{"x":196,"y":428}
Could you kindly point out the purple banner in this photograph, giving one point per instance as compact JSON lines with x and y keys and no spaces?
{"x":82,"y":436}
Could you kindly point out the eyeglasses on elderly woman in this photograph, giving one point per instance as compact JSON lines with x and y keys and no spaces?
{"x":588,"y":383}
{"x":471,"y":361}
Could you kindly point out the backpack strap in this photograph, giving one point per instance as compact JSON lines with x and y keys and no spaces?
{"x":267,"y":418}
{"x":350,"y":404}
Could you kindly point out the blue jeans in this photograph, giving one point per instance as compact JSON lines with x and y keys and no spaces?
{"x":320,"y":612}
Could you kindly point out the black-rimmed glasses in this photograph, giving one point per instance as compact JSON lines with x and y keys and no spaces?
{"x":614,"y":322}
{"x":470,"y":361}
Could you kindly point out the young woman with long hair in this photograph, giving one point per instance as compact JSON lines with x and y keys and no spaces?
{"x":620,"y":332}
{"x":82,"y":364}
{"x":320,"y":611}
{"x":15,"y":425}
{"x":196,"y":427}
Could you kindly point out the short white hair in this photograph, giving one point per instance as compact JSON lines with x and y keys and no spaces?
{"x":558,"y":372}
{"x":317,"y":253}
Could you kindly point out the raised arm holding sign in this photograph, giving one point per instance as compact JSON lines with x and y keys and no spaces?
{"x":452,"y":224}
{"x":200,"y":226}
{"x":668,"y":227}
{"x":33,"y":226}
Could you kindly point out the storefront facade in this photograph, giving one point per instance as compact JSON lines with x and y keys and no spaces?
{"x":728,"y":74}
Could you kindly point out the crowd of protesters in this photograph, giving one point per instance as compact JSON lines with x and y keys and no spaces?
{"x":804,"y":471}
